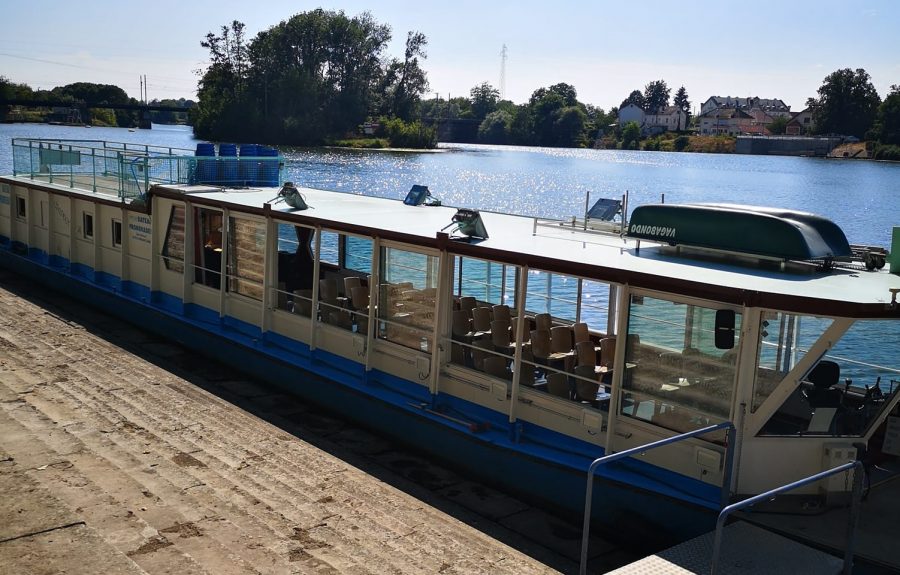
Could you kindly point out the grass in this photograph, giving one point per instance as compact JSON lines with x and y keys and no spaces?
{"x":362,"y":143}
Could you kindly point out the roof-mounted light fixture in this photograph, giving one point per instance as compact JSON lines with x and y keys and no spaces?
{"x":467,"y":222}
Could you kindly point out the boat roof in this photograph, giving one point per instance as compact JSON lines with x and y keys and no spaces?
{"x":568,"y":249}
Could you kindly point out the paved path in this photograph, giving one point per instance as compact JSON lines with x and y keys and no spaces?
{"x":122,"y":453}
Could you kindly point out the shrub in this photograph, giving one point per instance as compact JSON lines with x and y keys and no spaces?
{"x":681,"y":142}
{"x":407,"y":135}
{"x":887,"y":152}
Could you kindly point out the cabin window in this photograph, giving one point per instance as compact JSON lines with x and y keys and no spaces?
{"x":173,"y":246}
{"x":844,"y":394}
{"x":330,"y":248}
{"x":675,"y":375}
{"x":87,"y":221}
{"x":208,"y":252}
{"x":21,"y":211}
{"x":246,"y":257}
{"x":407,"y":297}
{"x":294,"y":268}
{"x":358,"y":255}
{"x":116,"y":233}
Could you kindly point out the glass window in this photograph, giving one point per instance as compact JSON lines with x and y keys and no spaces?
{"x":845,"y":393}
{"x":407,"y":299}
{"x":676,"y":377}
{"x":116,"y":233}
{"x":246,"y":254}
{"x":330,"y":247}
{"x":88,"y":225}
{"x":358,"y":254}
{"x":21,"y":212}
{"x":208,"y":237}
{"x":173,"y":247}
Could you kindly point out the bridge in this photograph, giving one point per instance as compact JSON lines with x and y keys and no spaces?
{"x":88,"y":105}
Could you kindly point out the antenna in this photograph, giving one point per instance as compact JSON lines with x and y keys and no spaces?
{"x":503,"y":73}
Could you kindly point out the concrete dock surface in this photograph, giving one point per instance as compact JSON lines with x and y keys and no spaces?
{"x":123,"y":453}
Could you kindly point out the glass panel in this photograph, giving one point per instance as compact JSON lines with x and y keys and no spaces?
{"x":358,"y":255}
{"x":675,"y":376}
{"x":294,"y":269}
{"x":846,"y":393}
{"x":208,"y":239}
{"x":784,"y":340}
{"x":330,"y":250}
{"x":247,"y":252}
{"x":173,"y":247}
{"x":407,"y":298}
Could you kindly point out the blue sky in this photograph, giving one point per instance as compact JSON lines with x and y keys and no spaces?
{"x":771,"y":49}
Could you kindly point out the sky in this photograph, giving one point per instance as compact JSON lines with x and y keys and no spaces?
{"x":605,"y":49}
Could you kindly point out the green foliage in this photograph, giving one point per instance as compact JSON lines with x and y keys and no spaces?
{"x":682,"y":103}
{"x":407,"y":134}
{"x":636,"y":97}
{"x":362,"y":143}
{"x":495,"y":129}
{"x":102,"y":117}
{"x":656,"y":96}
{"x":778,"y":125}
{"x":887,"y":152}
{"x":316,"y":75}
{"x":631,"y":135}
{"x":681,"y":142}
{"x":847,"y":103}
{"x":887,"y":121}
{"x":484,"y":98}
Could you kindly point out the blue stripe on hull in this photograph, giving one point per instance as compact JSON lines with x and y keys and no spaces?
{"x":543,"y":466}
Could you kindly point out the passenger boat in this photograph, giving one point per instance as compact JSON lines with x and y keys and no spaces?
{"x":515,"y":348}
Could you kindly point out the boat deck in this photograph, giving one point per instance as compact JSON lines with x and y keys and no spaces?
{"x":746,"y":550}
{"x":112,"y":464}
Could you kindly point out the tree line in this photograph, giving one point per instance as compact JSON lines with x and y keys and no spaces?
{"x":80,"y":93}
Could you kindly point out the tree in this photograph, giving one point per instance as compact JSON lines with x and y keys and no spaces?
{"x":847,"y":103}
{"x":631,"y":135}
{"x":636,"y":97}
{"x":568,"y":127}
{"x":410,"y":81}
{"x":495,"y":128}
{"x":682,"y":103}
{"x":887,"y":122}
{"x":484,"y":98}
{"x":656,"y":96}
{"x":778,"y":125}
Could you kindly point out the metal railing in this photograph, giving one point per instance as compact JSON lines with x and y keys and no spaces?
{"x":726,"y":480}
{"x":851,"y":523}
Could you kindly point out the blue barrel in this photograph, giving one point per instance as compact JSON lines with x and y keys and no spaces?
{"x":268,"y":169}
{"x":248,"y":168}
{"x":228,"y":165}
{"x":206,"y":169}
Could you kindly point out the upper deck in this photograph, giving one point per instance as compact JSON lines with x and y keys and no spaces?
{"x":564,"y":248}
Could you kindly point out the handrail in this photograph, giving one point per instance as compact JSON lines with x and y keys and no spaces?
{"x":726,"y":481}
{"x":851,"y":523}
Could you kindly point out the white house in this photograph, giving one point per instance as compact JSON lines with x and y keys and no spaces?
{"x":669,"y":118}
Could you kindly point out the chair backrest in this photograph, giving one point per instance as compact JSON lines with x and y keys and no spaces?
{"x":479,"y":354}
{"x":561,"y":339}
{"x":500,"y":333}
{"x":527,"y":369}
{"x":481,"y":319}
{"x":359,"y":297}
{"x":543,"y":321}
{"x":607,"y":351}
{"x":461,"y":324}
{"x":526,"y":329}
{"x":558,"y":385}
{"x":587,"y":353}
{"x":501,"y":312}
{"x":540,"y":343}
{"x":496,"y":366}
{"x":467,"y":303}
{"x":328,"y":289}
{"x":581,"y":332}
{"x":586,"y":387}
{"x":823,"y":376}
{"x":351,"y":282}
{"x":303,"y":302}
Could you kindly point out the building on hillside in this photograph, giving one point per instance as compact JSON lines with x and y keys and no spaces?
{"x":771,"y":106}
{"x":730,"y":121}
{"x":668,"y":119}
{"x":801,"y":124}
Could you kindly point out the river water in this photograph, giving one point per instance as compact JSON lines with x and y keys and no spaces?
{"x":862,"y":197}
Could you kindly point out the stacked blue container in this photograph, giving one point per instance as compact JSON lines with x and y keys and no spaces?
{"x":206,"y":169}
{"x":249,"y":165}
{"x":268,"y":169}
{"x":228,"y":165}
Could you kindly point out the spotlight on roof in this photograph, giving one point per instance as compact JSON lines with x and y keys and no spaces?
{"x":420,"y":195}
{"x":468,"y":223}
